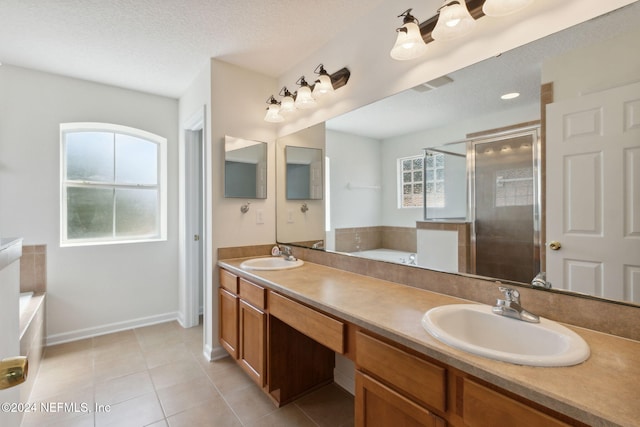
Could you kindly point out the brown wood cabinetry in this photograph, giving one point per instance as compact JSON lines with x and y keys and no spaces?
{"x":228,"y":322}
{"x":379,"y":406}
{"x":284,"y":361}
{"x":421,"y":380}
{"x":288,"y":349}
{"x":482,"y":406}
{"x":324,"y":329}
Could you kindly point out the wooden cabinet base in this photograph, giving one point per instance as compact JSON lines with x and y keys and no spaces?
{"x":296,"y":363}
{"x":379,"y":406}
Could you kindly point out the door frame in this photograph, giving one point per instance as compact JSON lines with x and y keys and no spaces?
{"x":192,"y":211}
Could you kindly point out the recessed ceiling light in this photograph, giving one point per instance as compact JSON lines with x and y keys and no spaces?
{"x":510,"y":95}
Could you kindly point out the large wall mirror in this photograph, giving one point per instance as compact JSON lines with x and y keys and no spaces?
{"x":366,"y":148}
{"x":245,"y":168}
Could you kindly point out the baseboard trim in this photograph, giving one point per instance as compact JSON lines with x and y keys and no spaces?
{"x":80,"y":334}
{"x":214,"y":353}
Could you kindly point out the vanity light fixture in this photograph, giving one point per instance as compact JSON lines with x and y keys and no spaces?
{"x":323,"y":85}
{"x":287,"y":104}
{"x":454,"y":21}
{"x":409,"y":43}
{"x":306,"y":95}
{"x":273,"y":111}
{"x":304,"y":99}
{"x":504,"y":7}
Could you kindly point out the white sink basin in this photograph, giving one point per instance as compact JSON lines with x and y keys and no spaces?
{"x":270,"y":263}
{"x":474,"y":328}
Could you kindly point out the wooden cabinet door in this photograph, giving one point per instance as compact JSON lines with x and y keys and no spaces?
{"x":485,"y":407}
{"x":252,"y":342}
{"x":378,"y":405}
{"x":228,"y":322}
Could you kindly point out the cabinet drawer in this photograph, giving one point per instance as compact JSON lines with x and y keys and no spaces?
{"x":323,"y":329}
{"x":421,"y":380}
{"x":378,"y":405}
{"x":482,"y":407}
{"x":228,"y":281}
{"x":253,"y":294}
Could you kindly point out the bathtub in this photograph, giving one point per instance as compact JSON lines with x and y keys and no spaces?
{"x":389,"y":255}
{"x":32,"y":306}
{"x":25,"y":298}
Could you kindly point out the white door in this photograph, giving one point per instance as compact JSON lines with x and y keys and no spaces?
{"x":194,"y":217}
{"x":593,"y":193}
{"x":9,"y":338}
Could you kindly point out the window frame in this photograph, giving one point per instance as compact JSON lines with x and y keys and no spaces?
{"x":161,"y":187}
{"x":424,"y":181}
{"x":435,"y":179}
{"x":401,"y":182}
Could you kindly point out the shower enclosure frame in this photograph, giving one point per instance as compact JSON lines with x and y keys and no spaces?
{"x":472,"y":143}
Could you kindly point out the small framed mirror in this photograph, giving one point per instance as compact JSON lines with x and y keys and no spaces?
{"x":245,"y":168}
{"x":304,"y":173}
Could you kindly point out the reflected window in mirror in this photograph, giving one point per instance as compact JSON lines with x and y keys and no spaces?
{"x":304,"y":173}
{"x":410,"y":177}
{"x":245,"y":168}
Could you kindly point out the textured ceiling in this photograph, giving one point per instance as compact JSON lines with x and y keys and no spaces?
{"x":159,"y":46}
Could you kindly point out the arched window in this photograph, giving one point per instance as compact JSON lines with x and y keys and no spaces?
{"x":113,"y":184}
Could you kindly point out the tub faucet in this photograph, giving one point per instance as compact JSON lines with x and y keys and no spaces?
{"x":540,"y":281}
{"x":510,"y":306}
{"x":285,"y":251}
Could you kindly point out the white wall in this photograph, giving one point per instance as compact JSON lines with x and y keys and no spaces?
{"x":588,"y":70}
{"x":91,"y":289}
{"x":357,"y":161}
{"x":237,"y":109}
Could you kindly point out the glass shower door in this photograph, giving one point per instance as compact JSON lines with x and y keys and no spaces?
{"x":505,"y":213}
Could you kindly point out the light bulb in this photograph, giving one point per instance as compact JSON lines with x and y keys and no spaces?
{"x":409,"y":44}
{"x":323,"y":86}
{"x":273,"y":114}
{"x":304,"y":100}
{"x":454,"y":21}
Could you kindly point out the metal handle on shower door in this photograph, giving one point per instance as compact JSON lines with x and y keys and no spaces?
{"x":13,"y":371}
{"x":554,"y":246}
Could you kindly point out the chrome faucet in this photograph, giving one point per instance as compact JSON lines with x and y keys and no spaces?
{"x":540,"y":281}
{"x":510,"y":306}
{"x":285,"y":251}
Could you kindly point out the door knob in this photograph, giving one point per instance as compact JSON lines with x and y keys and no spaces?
{"x":13,"y":371}
{"x":554,"y":246}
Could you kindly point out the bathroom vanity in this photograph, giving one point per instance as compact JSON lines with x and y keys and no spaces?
{"x":283,"y":328}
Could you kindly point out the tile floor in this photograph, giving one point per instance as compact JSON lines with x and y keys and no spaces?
{"x":157,"y":376}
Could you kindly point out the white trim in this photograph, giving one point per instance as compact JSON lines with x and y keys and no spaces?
{"x":162,"y":182}
{"x":189,"y":301}
{"x":110,"y":328}
{"x":214,"y":353}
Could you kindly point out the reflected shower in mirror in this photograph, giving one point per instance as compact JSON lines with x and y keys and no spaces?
{"x":245,"y":168}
